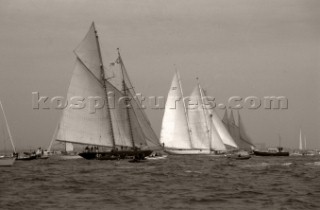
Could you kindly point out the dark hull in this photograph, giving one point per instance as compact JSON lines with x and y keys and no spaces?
{"x":114,"y":155}
{"x":246,"y":157}
{"x":33,"y":157}
{"x":258,"y":153}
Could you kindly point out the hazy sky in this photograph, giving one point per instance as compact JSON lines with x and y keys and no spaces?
{"x":236,"y":48}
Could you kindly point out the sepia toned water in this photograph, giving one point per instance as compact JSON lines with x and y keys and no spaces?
{"x":178,"y":182}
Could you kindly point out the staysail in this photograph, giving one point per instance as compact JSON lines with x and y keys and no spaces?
{"x":244,"y":137}
{"x":220,"y":126}
{"x":198,"y":121}
{"x":140,"y":124}
{"x":175,"y":131}
{"x":216,"y":128}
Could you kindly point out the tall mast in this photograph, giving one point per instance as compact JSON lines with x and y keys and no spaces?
{"x":124,"y":86}
{"x":203,"y":109}
{"x":5,"y":119}
{"x":104,"y":86}
{"x":184,"y":105}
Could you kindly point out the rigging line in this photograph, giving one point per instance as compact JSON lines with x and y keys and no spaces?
{"x":126,"y":100}
{"x":185,"y":110}
{"x":104,"y":84}
{"x":204,"y":114}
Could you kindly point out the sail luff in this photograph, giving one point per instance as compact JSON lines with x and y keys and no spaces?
{"x":305,"y":142}
{"x":225,"y":119}
{"x":184,"y":105}
{"x":205,"y":114}
{"x":197,"y":121}
{"x":126,"y":100}
{"x":8,"y":129}
{"x":53,"y":137}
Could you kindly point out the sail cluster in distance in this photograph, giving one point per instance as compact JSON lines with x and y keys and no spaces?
{"x":185,"y":131}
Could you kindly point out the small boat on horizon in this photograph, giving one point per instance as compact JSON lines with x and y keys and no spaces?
{"x":271,"y":152}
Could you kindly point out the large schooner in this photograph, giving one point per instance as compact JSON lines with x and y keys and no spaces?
{"x":191,"y":127}
{"x":119,"y":127}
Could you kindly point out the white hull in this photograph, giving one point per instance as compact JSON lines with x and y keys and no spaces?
{"x":7,"y":161}
{"x":157,"y":157}
{"x":187,"y":151}
{"x":65,"y":157}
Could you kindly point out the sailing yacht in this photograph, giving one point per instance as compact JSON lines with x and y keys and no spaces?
{"x":188,"y":127}
{"x":175,"y":132}
{"x":6,"y":158}
{"x":118,"y":128}
{"x":240,"y":136}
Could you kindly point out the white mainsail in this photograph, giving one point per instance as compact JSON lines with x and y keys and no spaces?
{"x":300,"y":141}
{"x":6,"y":142}
{"x":175,"y":131}
{"x":198,"y":121}
{"x":79,"y":125}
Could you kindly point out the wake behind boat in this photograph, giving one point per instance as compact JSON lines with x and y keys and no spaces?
{"x":114,"y":154}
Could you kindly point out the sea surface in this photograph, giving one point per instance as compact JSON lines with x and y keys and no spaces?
{"x":178,"y":182}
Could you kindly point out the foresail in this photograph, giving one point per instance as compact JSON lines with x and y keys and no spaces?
{"x":225,"y":120}
{"x":175,"y":131}
{"x":234,"y":131}
{"x":88,"y":53}
{"x":216,"y":141}
{"x":80,"y":125}
{"x":246,"y":140}
{"x":119,"y":117}
{"x":141,"y":120}
{"x":200,"y":134}
{"x":222,"y":127}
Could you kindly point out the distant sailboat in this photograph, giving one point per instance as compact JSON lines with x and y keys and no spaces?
{"x":241,"y":138}
{"x":188,"y":129}
{"x":272,"y":151}
{"x":115,"y":130}
{"x":175,"y":133}
{"x":6,"y":149}
{"x":300,"y":141}
{"x":220,"y":136}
